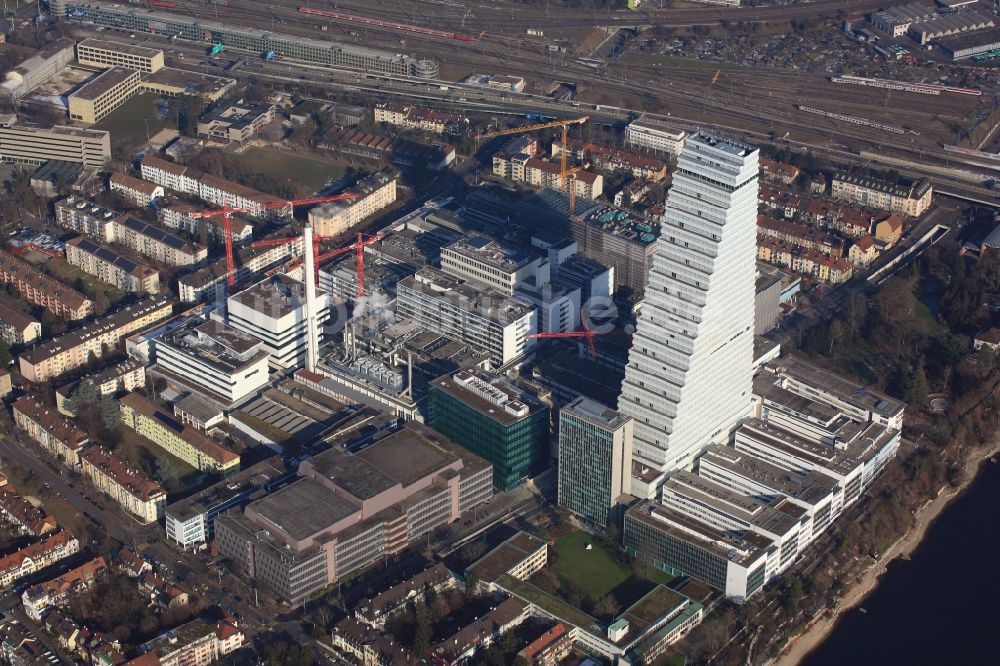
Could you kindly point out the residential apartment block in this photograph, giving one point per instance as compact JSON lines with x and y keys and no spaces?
{"x":27,"y":144}
{"x":17,"y":328}
{"x":158,"y":244}
{"x":73,"y":349}
{"x":817,"y":264}
{"x":355,"y":503}
{"x":912,"y":200}
{"x":86,"y":217}
{"x":197,"y":643}
{"x":22,"y":515}
{"x":131,"y":489}
{"x":184,"y":441}
{"x":40,"y":289}
{"x":612,"y":160}
{"x":181,"y":216}
{"x":216,"y":191}
{"x":414,"y":118}
{"x":110,"y":266}
{"x":125,"y":376}
{"x":37,"y":556}
{"x":39,"y":599}
{"x":373,"y":193}
{"x":209,"y":283}
{"x":97,"y":98}
{"x":56,"y":434}
{"x":137,"y":192}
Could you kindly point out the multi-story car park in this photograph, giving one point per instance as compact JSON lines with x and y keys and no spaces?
{"x":27,"y":144}
{"x":292,"y":47}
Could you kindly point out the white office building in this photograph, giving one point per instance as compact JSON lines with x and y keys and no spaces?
{"x":647,"y":132}
{"x":274,"y":311}
{"x":485,"y":262}
{"x":212,"y":358}
{"x":688,"y":381}
{"x":484,"y":318}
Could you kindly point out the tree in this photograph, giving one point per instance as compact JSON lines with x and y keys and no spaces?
{"x":5,"y":356}
{"x":164,"y":473}
{"x":606,"y":608}
{"x":101,"y":303}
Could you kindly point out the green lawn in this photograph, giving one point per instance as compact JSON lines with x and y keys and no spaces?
{"x":134,"y":122}
{"x":312,"y":173}
{"x":596,"y":571}
{"x":69,"y":274}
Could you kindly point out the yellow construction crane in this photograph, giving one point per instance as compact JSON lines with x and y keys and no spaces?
{"x":563,"y":152}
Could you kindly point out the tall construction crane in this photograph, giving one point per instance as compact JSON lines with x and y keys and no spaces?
{"x":358,"y":246}
{"x":359,"y":259}
{"x":563,"y":152}
{"x":227,"y":222}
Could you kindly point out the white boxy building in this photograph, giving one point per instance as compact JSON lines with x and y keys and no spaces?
{"x":274,"y":312}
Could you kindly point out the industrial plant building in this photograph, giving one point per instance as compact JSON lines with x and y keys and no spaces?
{"x":370,"y":495}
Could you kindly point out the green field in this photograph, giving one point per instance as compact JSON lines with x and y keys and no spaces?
{"x":596,"y":571}
{"x":312,"y":173}
{"x":134,"y":122}
{"x":70,"y":274}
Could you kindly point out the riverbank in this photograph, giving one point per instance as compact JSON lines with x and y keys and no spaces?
{"x":817,"y":631}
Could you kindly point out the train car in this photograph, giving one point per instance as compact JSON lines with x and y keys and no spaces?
{"x":163,"y":4}
{"x":391,"y":25}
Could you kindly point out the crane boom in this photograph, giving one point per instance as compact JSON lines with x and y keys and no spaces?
{"x":227,"y":222}
{"x":271,"y":205}
{"x":532,"y":128}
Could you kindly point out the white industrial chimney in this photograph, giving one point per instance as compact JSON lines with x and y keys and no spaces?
{"x":312,"y":334}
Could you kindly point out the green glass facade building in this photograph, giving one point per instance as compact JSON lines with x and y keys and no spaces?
{"x":595,"y":459}
{"x":493,"y":419}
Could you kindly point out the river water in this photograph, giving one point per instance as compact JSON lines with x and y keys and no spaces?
{"x":941,"y":607}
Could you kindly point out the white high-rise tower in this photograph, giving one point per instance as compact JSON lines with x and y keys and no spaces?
{"x":689,"y":373}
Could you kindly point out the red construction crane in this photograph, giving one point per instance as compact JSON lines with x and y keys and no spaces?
{"x":359,"y":248}
{"x":585,"y":333}
{"x":227,"y":222}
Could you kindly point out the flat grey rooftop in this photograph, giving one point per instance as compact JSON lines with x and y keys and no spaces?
{"x":303,"y":508}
